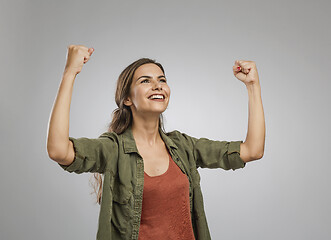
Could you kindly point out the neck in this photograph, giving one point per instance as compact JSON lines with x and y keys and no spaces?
{"x":145,"y":130}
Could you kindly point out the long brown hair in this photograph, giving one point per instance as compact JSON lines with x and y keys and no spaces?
{"x":122,"y":115}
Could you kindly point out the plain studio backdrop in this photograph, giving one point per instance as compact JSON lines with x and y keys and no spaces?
{"x":284,"y":195}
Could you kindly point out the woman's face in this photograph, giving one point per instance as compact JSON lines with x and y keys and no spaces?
{"x":149,"y":91}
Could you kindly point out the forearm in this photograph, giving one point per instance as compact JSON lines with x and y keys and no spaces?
{"x":255,"y":138}
{"x":58,"y":126}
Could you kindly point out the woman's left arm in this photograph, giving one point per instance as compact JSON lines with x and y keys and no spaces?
{"x":253,"y":147}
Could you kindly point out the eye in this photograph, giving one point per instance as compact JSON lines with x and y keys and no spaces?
{"x":163,"y":80}
{"x":144,"y":80}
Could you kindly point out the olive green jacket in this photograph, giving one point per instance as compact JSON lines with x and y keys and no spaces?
{"x":116,"y":156}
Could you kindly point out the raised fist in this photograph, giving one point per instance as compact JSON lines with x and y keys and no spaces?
{"x":77,"y":56}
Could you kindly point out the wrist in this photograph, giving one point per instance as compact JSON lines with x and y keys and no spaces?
{"x":69,"y":74}
{"x":253,"y":88}
{"x":253,"y":85}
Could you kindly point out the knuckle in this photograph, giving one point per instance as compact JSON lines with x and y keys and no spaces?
{"x":83,"y":47}
{"x":80,"y":50}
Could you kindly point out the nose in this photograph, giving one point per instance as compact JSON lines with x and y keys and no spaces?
{"x":157,"y":85}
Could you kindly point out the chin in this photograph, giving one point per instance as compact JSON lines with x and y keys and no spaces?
{"x":158,"y":111}
{"x":155,"y":111}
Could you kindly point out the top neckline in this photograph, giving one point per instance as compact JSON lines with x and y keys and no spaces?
{"x":163,"y":174}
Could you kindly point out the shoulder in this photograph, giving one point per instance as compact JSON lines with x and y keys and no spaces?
{"x":110,"y":136}
{"x":181,"y":138}
{"x":176,"y":134}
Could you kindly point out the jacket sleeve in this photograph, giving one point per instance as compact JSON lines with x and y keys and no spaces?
{"x":92,"y":154}
{"x":215,"y":154}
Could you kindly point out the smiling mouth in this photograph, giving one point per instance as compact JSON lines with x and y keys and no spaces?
{"x":157,"y":100}
{"x":157,"y":97}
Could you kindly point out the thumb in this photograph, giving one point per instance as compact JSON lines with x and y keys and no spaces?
{"x":90,"y":51}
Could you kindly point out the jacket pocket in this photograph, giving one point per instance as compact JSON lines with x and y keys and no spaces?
{"x":122,"y":197}
{"x":120,"y":193}
{"x":121,"y":207}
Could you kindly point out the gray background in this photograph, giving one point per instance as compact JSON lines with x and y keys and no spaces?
{"x":285,"y":195}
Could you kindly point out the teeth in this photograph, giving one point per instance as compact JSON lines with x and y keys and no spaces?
{"x":156,"y":97}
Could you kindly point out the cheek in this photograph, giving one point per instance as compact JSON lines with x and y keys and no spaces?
{"x":168,"y":90}
{"x":139,"y":93}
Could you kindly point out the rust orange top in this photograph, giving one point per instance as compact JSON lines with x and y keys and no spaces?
{"x":166,"y":206}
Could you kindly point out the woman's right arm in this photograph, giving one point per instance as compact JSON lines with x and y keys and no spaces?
{"x":59,"y":147}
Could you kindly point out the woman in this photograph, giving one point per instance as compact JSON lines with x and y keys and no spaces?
{"x":151,"y":186}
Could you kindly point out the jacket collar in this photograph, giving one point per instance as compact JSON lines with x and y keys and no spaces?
{"x":129,"y":143}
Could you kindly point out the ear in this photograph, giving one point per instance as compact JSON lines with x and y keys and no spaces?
{"x":127,"y":102}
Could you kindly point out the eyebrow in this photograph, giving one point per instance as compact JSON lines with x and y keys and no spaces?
{"x":161,"y":76}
